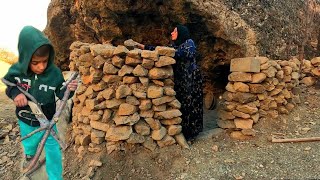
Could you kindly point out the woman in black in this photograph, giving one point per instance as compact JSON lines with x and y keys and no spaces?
{"x":188,"y":81}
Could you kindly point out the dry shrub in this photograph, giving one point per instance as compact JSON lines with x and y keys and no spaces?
{"x":7,"y":56}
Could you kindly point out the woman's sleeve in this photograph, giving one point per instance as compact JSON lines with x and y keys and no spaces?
{"x":186,"y":50}
{"x":149,"y":47}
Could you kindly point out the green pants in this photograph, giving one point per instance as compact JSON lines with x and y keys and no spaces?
{"x":52,"y":149}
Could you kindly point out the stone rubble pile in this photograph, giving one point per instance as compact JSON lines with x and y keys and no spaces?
{"x":126,"y":97}
{"x":258,"y":88}
{"x":9,"y":136}
{"x":310,"y":71}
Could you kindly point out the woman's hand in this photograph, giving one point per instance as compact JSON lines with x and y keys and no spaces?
{"x":73,"y":85}
{"x":140,"y":46}
{"x":20,"y":100}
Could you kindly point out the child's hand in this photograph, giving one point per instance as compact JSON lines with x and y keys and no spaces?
{"x":20,"y":100}
{"x":72,"y":86}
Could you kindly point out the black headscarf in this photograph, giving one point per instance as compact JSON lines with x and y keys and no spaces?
{"x":183,"y":35}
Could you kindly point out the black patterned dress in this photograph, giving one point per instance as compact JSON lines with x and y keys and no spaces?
{"x":188,"y":86}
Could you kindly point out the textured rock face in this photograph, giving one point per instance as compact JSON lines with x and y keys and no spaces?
{"x":222,"y":30}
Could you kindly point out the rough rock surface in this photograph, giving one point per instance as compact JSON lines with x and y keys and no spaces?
{"x":221,"y":29}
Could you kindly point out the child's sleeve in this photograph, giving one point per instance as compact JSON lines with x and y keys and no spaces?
{"x":60,"y":92}
{"x":11,"y":92}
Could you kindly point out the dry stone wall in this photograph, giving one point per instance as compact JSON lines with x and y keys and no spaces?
{"x":310,"y":71}
{"x":258,"y":88}
{"x":126,"y":97}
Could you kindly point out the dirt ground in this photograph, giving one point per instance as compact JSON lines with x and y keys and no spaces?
{"x":213,"y":155}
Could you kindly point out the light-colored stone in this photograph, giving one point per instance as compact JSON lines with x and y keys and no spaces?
{"x":240,"y":114}
{"x":147,"y":63}
{"x":161,"y":73}
{"x":174,"y":129}
{"x":258,"y":77}
{"x":270,"y":72}
{"x":154,"y":92}
{"x":111,"y":78}
{"x":159,"y":134}
{"x":175,"y":104}
{"x":247,"y":64}
{"x":315,"y":61}
{"x":308,"y":81}
{"x":118,"y":133}
{"x":247,"y":109}
{"x":256,"y":88}
{"x":127,"y":109}
{"x":109,"y":69}
{"x":241,"y":87}
{"x":97,"y":136}
{"x":135,"y":138}
{"x":142,"y":128}
{"x":131,"y":61}
{"x":147,"y":113}
{"x":140,"y":95}
{"x":316,"y":71}
{"x":140,"y":71}
{"x":114,"y":103}
{"x":158,"y":82}
{"x":225,"y":115}
{"x":240,"y":77}
{"x":169,"y":114}
{"x":108,"y":93}
{"x":123,"y":91}
{"x":117,"y":61}
{"x":243,"y":123}
{"x":153,"y":123}
{"x":145,"y":104}
{"x":248,"y":132}
{"x":165,"y":51}
{"x":125,"y":70}
{"x":100,"y":125}
{"x":230,"y":87}
{"x":244,"y":97}
{"x":144,"y":81}
{"x":102,"y":49}
{"x":165,"y":61}
{"x":226,"y":124}
{"x":98,"y":62}
{"x":162,"y":100}
{"x":130,"y":120}
{"x":150,"y":55}
{"x":149,"y":144}
{"x":130,"y":79}
{"x":166,"y":141}
{"x":162,"y":107}
{"x":181,"y":140}
{"x":132,"y":100}
{"x":120,"y":50}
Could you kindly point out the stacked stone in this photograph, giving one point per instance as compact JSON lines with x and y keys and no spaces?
{"x":126,"y":97}
{"x":310,"y":71}
{"x":258,"y":88}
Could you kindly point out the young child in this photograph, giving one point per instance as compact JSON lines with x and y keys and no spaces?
{"x":38,"y":75}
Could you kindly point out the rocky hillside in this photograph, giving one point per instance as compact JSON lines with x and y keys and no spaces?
{"x":222,"y":29}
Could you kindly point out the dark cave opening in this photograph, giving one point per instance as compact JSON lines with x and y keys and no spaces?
{"x":215,"y":84}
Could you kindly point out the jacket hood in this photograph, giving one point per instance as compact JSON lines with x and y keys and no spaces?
{"x":30,"y":39}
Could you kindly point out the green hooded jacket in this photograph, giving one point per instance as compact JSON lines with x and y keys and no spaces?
{"x":44,"y":87}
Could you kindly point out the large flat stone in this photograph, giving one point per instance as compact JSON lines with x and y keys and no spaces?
{"x":247,"y":64}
